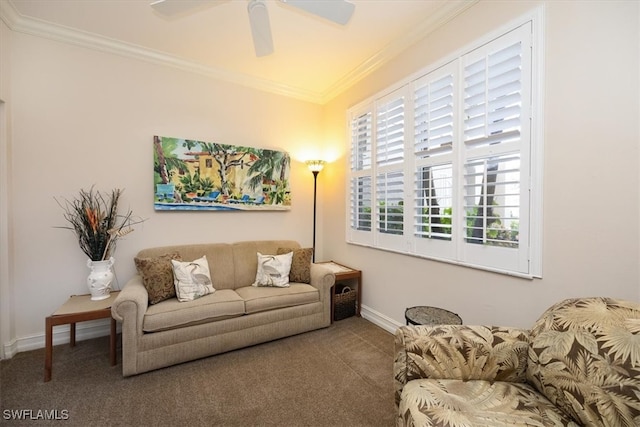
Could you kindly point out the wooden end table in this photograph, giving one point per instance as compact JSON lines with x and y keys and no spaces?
{"x":78,"y":308}
{"x":343,"y":272}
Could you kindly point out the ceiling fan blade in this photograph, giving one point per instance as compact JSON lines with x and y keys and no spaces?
{"x":260,"y":27}
{"x":179,"y":7}
{"x":338,"y":11}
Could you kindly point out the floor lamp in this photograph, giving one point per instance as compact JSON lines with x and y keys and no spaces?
{"x":315,"y":166}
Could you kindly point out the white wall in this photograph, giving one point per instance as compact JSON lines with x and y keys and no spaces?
{"x":82,"y":117}
{"x":591,"y":205}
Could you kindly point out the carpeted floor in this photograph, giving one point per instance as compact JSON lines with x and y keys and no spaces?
{"x":338,"y":376}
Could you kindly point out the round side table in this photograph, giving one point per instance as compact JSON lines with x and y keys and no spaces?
{"x":425,"y":315}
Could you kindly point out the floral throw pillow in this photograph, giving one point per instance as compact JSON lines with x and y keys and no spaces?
{"x":192,"y":279}
{"x":273,"y":270}
{"x":157,"y":276}
{"x":300,"y":265}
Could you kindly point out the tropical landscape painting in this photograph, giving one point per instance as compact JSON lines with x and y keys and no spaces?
{"x":196,"y":175}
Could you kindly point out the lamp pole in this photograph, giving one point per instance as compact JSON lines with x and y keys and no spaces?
{"x":315,"y":166}
{"x":315,"y":184}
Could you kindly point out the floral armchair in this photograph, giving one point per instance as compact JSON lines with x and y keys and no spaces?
{"x":578,"y":365}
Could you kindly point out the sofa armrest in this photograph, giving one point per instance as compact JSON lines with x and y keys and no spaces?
{"x":129,"y":308}
{"x":322,"y":277}
{"x":131,"y":305}
{"x":460,"y":352}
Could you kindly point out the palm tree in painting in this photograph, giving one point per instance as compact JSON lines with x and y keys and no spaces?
{"x":269,"y":165}
{"x":165,"y":161}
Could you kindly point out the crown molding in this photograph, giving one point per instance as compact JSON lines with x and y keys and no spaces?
{"x":35,"y":27}
{"x":39,"y":28}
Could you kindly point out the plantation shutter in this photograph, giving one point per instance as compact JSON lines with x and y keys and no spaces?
{"x":444,"y":166}
{"x":361,"y":190}
{"x":390,"y":200}
{"x":390,"y":140}
{"x":433,"y":117}
{"x":390,"y":133}
{"x":496,"y":116}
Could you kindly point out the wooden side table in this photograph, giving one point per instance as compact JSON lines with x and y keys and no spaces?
{"x":343,"y":272}
{"x":78,"y":308}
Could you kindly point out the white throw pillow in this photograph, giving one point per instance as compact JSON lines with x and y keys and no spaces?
{"x":273,"y":270}
{"x":192,"y":279}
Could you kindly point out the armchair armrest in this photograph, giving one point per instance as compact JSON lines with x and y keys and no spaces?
{"x":460,"y":352}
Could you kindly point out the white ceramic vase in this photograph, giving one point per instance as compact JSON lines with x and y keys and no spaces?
{"x":100,"y":278}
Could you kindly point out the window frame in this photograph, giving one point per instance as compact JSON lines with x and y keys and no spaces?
{"x":529,"y":251}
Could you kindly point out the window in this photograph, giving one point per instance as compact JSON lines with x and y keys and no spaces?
{"x":445,"y":166}
{"x":361,"y":179}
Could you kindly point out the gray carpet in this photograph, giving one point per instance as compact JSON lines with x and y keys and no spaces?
{"x":339,"y":376}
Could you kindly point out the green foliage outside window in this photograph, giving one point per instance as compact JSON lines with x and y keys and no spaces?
{"x":394,"y":223}
{"x":496,"y":235}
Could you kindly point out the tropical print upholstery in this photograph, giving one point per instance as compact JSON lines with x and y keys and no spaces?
{"x":578,"y":365}
{"x":585,"y":358}
{"x":453,"y":403}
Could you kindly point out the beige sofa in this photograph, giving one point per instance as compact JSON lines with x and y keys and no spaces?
{"x":578,"y":365}
{"x":236,"y":315}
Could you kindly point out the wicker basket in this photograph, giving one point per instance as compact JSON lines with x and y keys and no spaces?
{"x":344,"y":303}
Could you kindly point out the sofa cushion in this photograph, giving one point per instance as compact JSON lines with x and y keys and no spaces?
{"x":157,"y":276}
{"x":300,"y":265}
{"x":427,"y":402}
{"x":585,"y":358}
{"x":171,"y":313}
{"x":268,"y":298}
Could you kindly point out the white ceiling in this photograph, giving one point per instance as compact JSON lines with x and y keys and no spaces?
{"x":313,"y":60}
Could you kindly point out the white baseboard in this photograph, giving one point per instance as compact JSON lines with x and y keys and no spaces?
{"x":9,"y":349}
{"x":379,"y":319}
{"x":84,"y":331}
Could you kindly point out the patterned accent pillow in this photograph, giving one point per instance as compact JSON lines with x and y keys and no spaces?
{"x":192,"y":279}
{"x":157,"y":276}
{"x":300,"y":265}
{"x":273,"y":270}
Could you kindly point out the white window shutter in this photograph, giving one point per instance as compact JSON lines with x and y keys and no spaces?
{"x":434,"y":114}
{"x":495,"y":189}
{"x":390,"y":133}
{"x":389,"y":165}
{"x":361,"y":141}
{"x":360,"y":190}
{"x":444,"y":167}
{"x":390,"y":203}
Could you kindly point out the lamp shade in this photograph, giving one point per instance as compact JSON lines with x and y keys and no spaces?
{"x":315,"y":165}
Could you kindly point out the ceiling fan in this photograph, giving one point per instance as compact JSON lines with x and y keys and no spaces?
{"x":338,"y":11}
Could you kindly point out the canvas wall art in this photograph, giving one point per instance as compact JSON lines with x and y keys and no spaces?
{"x":197,"y":175}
